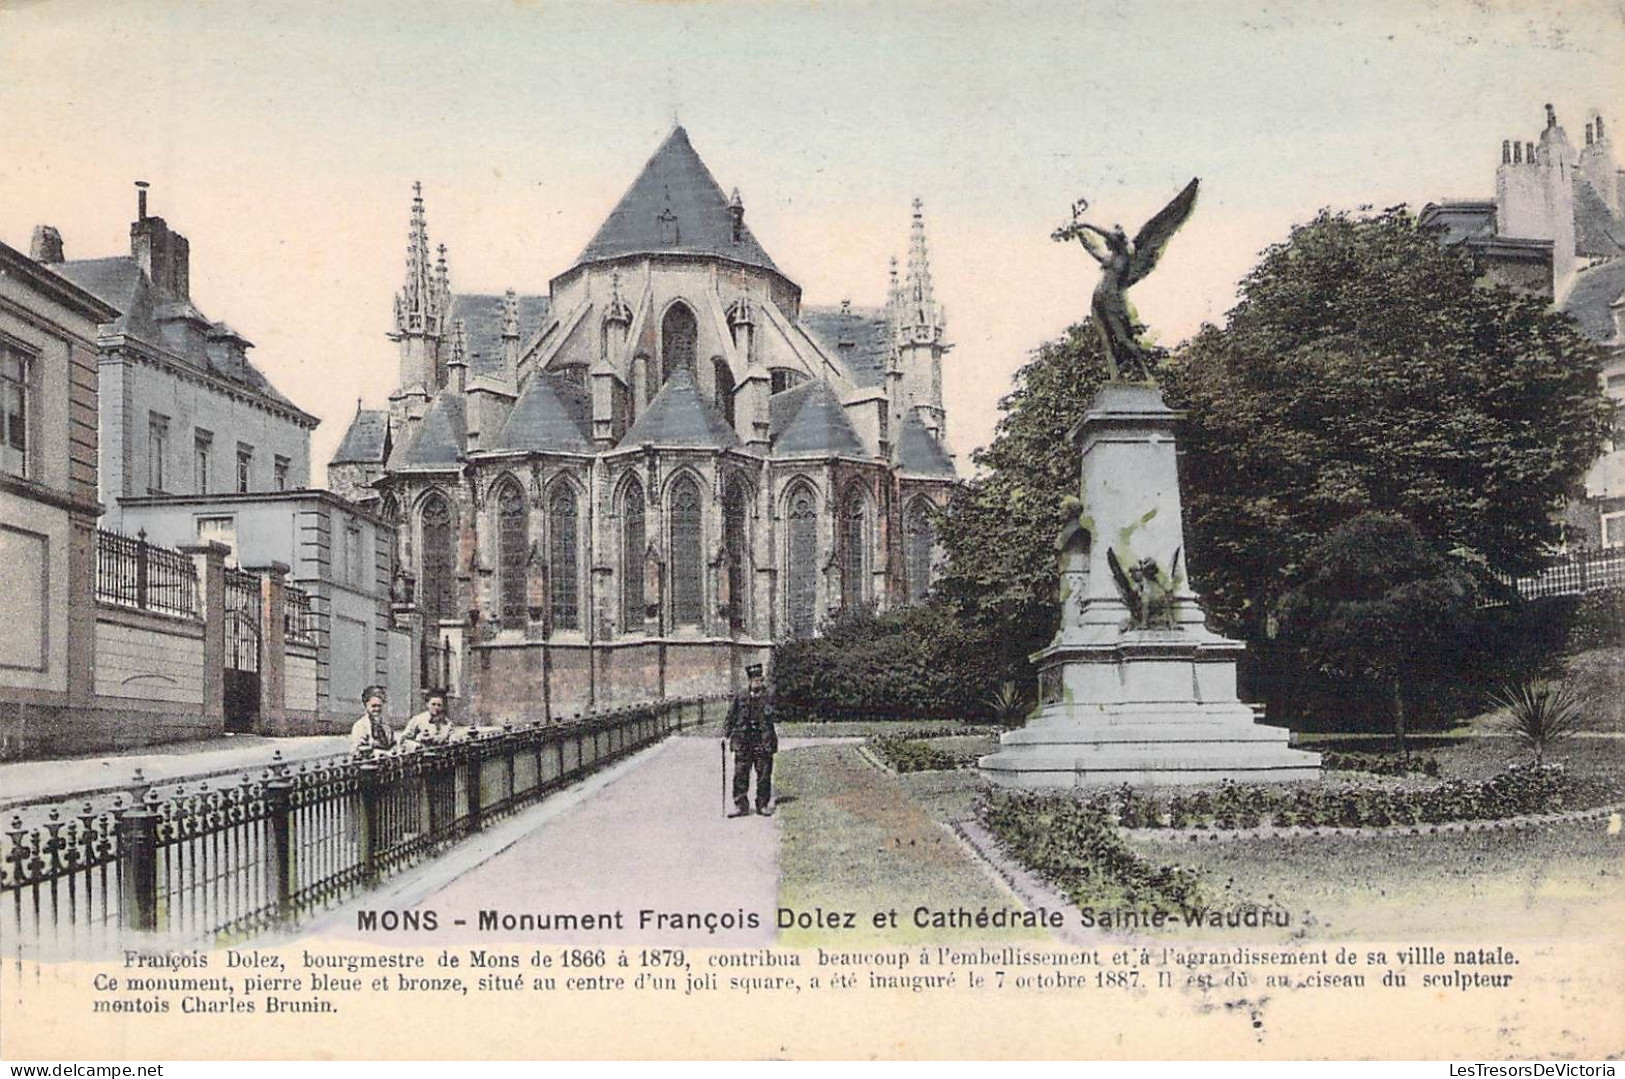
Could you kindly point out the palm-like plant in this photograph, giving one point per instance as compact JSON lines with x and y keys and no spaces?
{"x":1540,"y":714}
{"x":1008,"y":704}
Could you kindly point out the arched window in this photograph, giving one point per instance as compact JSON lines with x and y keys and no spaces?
{"x":854,"y":547}
{"x":724,"y":379}
{"x":735,"y":503}
{"x":562,"y":564}
{"x":687,"y":554}
{"x":802,"y":562}
{"x":390,"y":510}
{"x":678,"y":334}
{"x":634,"y":540}
{"x":513,"y":554}
{"x":920,"y":537}
{"x":439,"y":583}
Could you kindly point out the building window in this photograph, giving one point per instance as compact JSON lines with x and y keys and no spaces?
{"x":279,"y":473}
{"x":1613,"y":530}
{"x":513,"y":554}
{"x":245,"y":465}
{"x":802,"y":560}
{"x":854,"y":548}
{"x":562,"y":565}
{"x":202,"y":454}
{"x":679,"y":333}
{"x":687,"y":554}
{"x":16,"y":410}
{"x":219,"y":530}
{"x":735,"y":516}
{"x":352,"y":555}
{"x":920,"y":537}
{"x":784,"y":378}
{"x":724,"y":389}
{"x":634,"y":538}
{"x":438,"y":586}
{"x":157,"y":451}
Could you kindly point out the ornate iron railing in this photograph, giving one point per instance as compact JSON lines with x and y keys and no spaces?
{"x":226,"y":858}
{"x":136,"y":574}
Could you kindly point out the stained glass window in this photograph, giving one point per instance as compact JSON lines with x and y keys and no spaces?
{"x":678,"y":333}
{"x":633,"y":542}
{"x":562,"y":565}
{"x":439,"y":563}
{"x":854,"y":548}
{"x":920,"y":538}
{"x":803,"y":563}
{"x":687,"y":554}
{"x":734,"y":510}
{"x":513,"y":554}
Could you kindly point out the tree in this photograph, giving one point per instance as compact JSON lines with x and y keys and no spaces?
{"x":999,"y":532}
{"x":1378,"y":604}
{"x":1365,"y":369}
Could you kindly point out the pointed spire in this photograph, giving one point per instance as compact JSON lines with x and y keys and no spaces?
{"x":442,"y":286}
{"x":457,"y":365}
{"x":416,"y":307}
{"x":617,"y":310}
{"x":921,"y":314}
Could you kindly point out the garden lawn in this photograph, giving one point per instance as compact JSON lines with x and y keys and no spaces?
{"x":852,"y":839}
{"x":1561,"y":880}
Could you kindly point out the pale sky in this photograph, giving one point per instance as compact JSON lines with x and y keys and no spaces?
{"x":283,"y":140}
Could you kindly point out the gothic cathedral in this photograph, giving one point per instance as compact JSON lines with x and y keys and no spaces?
{"x":633,"y":486}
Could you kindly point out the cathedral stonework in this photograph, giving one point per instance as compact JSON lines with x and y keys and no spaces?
{"x":634,"y":486}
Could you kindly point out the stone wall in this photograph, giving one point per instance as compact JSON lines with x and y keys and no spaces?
{"x":148,"y":662}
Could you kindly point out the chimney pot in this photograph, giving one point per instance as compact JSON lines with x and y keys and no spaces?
{"x":46,"y":245}
{"x":141,"y":200}
{"x":1529,"y":152}
{"x":1506,"y":151}
{"x":1599,"y":129}
{"x":1517,"y":153}
{"x":1588,"y":134}
{"x":1551,"y":116}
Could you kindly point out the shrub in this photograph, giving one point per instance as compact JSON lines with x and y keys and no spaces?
{"x":1540,"y":714}
{"x":904,"y":756}
{"x":1381,"y":764}
{"x":1009,"y":705}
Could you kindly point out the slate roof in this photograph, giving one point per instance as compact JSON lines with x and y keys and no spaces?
{"x":868,"y":330}
{"x":441,"y":436}
{"x":482,"y":316}
{"x":1597,"y":230}
{"x":674,"y":180}
{"x":552,"y":414}
{"x":919,"y":452}
{"x":681,"y":416}
{"x":809,"y":419}
{"x":1460,"y":220}
{"x":119,"y":281}
{"x":1593,"y":290}
{"x":367,"y":440}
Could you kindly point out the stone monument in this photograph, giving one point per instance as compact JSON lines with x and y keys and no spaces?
{"x":1134,"y":687}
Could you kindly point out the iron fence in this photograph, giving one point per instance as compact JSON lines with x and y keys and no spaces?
{"x":1581,"y":571}
{"x":231,"y":857}
{"x":298,"y":619}
{"x":130,"y":572}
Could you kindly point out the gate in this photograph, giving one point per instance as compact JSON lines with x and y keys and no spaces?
{"x":242,"y":659}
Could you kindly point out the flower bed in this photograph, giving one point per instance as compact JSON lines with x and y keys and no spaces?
{"x":1074,"y":846}
{"x":1520,"y":790}
{"x":1381,"y":764}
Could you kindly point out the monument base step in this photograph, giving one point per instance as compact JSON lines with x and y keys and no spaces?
{"x":1160,"y":763}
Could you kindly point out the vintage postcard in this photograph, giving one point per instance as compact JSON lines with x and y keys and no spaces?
{"x":812,"y":530}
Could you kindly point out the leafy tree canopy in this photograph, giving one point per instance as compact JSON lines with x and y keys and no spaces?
{"x":1364,"y":369}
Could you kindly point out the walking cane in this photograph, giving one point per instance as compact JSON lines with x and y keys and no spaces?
{"x":724,"y":745}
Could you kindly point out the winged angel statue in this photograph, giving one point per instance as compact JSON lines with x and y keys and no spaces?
{"x":1122,"y":265}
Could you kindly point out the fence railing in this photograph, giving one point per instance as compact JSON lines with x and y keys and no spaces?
{"x":130,"y":572}
{"x":226,"y":859}
{"x":298,"y":619}
{"x":1579,"y":572}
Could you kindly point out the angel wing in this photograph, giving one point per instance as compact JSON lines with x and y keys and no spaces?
{"x":1155,"y":234}
{"x":1125,"y":587}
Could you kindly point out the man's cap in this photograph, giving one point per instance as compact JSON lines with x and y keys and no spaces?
{"x":753,"y":671}
{"x":374,"y":691}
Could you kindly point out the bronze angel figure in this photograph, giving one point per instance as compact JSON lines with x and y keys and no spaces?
{"x":1122,"y":265}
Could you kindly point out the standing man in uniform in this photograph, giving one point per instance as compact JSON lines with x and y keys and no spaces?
{"x":754,"y":740}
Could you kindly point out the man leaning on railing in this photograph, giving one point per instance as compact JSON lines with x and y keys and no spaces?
{"x":431,"y":727}
{"x":371,"y":734}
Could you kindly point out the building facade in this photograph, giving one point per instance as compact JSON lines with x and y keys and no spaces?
{"x":635,"y":485}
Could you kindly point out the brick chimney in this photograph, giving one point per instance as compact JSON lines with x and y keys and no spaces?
{"x":162,"y":253}
{"x":46,"y":245}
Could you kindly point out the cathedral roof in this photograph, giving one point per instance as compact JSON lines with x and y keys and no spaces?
{"x":367,"y":440}
{"x":675,"y":185}
{"x":919,"y":452}
{"x":482,"y":316}
{"x":681,"y":416}
{"x":552,"y":414}
{"x":809,"y":419}
{"x":441,"y":436}
{"x":868,"y":332}
{"x":1597,"y":229}
{"x":1593,"y":290}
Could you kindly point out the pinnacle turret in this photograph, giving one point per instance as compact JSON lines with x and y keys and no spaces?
{"x":417,"y":306}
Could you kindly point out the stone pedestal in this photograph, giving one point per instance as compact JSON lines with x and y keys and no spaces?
{"x":1136,"y":700}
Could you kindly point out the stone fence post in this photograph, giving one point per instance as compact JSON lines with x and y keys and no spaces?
{"x":273,"y":646}
{"x":210,"y":560}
